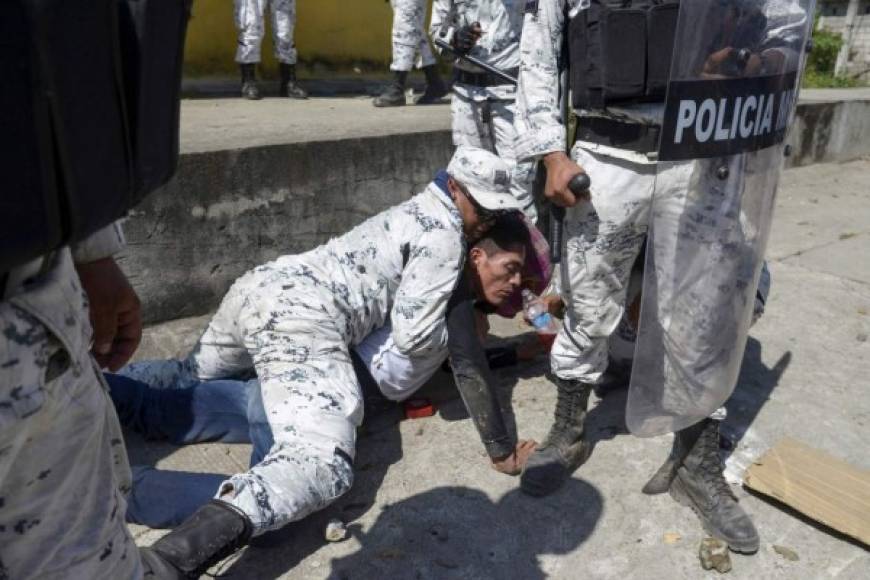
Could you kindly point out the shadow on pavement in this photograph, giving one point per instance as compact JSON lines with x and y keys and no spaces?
{"x":754,"y":386}
{"x":458,"y":532}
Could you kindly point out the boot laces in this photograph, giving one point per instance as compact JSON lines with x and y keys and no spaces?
{"x":710,"y":466}
{"x":565,"y":417}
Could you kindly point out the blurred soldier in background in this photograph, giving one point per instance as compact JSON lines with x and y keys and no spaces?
{"x":409,"y":38}
{"x":251,"y":24}
{"x":483,"y":104}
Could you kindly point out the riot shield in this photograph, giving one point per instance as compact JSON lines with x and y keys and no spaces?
{"x":731,"y":96}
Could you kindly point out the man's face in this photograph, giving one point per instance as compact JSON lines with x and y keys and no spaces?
{"x":473,"y":224}
{"x":497,"y":275}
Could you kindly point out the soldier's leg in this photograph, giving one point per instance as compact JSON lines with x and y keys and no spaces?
{"x":63,"y":466}
{"x":313,"y":404}
{"x":248,"y":15}
{"x":283,"y":14}
{"x":604,"y":237}
{"x":704,"y":312}
{"x":220,"y":353}
{"x":436,"y":88}
{"x":427,"y":57}
{"x":185,"y":401}
{"x":405,"y":41}
{"x":505,"y":135}
{"x":407,"y":32}
{"x":283,"y":29}
{"x":249,"y":23}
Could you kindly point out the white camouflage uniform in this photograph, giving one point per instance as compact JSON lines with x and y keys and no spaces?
{"x":604,"y":236}
{"x":484,"y":116}
{"x":409,"y":35}
{"x":251,"y":24}
{"x":294,"y":319}
{"x":64,"y":473}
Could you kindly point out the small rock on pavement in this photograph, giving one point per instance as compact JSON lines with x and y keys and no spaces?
{"x":335,"y":531}
{"x":786,"y":553}
{"x":714,"y":555}
{"x":672,"y":537}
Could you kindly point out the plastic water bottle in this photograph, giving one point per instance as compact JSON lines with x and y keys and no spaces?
{"x":536,"y":312}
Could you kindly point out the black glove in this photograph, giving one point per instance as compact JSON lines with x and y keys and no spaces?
{"x":466,"y":37}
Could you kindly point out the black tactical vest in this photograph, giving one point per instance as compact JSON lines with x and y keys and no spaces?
{"x":88,"y":115}
{"x":620,"y":51}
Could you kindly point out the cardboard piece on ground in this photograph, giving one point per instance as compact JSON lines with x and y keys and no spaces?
{"x":820,"y":486}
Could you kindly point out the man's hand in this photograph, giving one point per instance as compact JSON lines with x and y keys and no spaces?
{"x":466,"y":37}
{"x":560,"y":170}
{"x":115,"y":312}
{"x":730,"y":62}
{"x":513,"y":464}
{"x":554,"y":304}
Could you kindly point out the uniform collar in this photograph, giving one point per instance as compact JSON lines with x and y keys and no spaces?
{"x":438,"y":189}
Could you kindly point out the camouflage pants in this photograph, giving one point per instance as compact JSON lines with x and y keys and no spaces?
{"x":250,"y":22}
{"x":296,"y":341}
{"x":409,"y":35}
{"x":63,"y":466}
{"x":489,"y":124}
{"x":604,"y":238}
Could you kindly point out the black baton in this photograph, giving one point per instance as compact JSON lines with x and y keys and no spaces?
{"x":578,"y":185}
{"x":475,"y":61}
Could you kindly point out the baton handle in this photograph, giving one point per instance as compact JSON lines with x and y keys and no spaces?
{"x":578,"y":185}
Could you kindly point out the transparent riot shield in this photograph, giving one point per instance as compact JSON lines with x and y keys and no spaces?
{"x":731,"y":96}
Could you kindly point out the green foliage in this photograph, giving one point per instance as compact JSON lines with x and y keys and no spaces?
{"x":815,"y":80}
{"x":826,"y":46}
{"x":822,"y":60}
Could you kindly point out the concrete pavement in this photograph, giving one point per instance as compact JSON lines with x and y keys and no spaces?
{"x":426,"y":504}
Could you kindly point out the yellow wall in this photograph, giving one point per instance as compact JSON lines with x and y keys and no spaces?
{"x":332,"y":35}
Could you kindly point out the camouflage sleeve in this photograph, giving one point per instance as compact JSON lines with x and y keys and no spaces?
{"x":100,"y":244}
{"x":440,"y":13}
{"x":540,"y":128}
{"x":428,"y":279}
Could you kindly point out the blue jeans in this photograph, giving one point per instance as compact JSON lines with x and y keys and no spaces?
{"x":227,"y":411}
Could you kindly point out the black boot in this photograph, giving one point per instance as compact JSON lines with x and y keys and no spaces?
{"x":565,"y":449}
{"x":436,"y":89}
{"x":288,"y":87}
{"x":213,"y":532}
{"x":700,"y":485}
{"x":250,"y":90}
{"x":394,"y":94}
{"x":684,"y":440}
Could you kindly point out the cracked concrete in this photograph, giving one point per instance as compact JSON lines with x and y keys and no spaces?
{"x":427,"y":505}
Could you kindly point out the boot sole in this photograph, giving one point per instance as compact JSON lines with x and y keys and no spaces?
{"x":681,"y":496}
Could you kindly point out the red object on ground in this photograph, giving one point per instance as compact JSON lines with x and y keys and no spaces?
{"x":547,"y":340}
{"x":418,"y":408}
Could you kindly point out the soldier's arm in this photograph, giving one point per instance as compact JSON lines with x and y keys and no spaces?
{"x":539,"y":124}
{"x":428,"y":279}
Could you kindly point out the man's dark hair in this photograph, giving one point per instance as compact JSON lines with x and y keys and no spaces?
{"x":508,"y":233}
